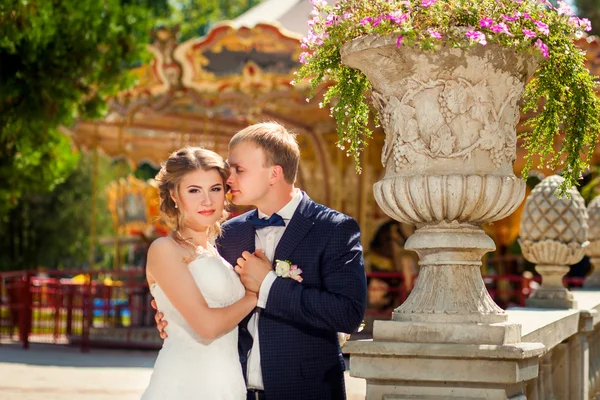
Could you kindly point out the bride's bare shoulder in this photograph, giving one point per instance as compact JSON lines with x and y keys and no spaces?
{"x":165,"y":248}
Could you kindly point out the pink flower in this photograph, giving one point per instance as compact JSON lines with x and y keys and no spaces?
{"x":347,"y":15}
{"x":542,"y":27}
{"x":378,"y":20}
{"x":434,"y":34}
{"x":526,"y":16}
{"x":303,"y":57}
{"x":399,"y":41}
{"x":332,"y":19}
{"x":397,"y":16}
{"x":486,"y":22}
{"x":563,"y":8}
{"x":509,"y":18}
{"x":543,"y":47}
{"x":476,"y":36}
{"x":295,"y":273}
{"x":365,"y":21}
{"x":428,"y":3}
{"x":318,"y":3}
{"x":586,"y":24}
{"x":528,"y":33}
{"x":501,"y":28}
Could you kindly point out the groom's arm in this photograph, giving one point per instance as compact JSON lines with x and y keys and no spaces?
{"x":341,"y":302}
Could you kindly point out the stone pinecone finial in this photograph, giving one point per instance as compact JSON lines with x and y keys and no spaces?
{"x":554,"y":230}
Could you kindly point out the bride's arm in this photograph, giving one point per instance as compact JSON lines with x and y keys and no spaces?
{"x":171,"y":273}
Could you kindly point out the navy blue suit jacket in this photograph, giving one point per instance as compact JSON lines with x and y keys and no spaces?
{"x":299,"y":349}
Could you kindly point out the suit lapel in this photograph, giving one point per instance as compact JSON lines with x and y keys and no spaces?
{"x":247,"y":236}
{"x":297,"y":228}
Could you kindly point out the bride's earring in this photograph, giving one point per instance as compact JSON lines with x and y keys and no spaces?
{"x":175,"y":205}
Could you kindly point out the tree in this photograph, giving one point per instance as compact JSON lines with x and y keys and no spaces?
{"x":589,"y":9}
{"x":52,"y":229}
{"x":60,"y":60}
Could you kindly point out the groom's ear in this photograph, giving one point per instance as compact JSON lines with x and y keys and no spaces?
{"x":276,"y":174}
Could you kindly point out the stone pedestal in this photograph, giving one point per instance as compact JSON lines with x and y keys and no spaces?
{"x":450,"y":119}
{"x":553,"y":235}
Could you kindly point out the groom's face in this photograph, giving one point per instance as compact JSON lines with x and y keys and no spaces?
{"x":250,"y":176}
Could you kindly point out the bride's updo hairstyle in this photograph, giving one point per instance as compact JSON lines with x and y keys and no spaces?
{"x":180,"y":163}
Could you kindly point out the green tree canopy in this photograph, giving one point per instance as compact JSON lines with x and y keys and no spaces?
{"x":60,"y":60}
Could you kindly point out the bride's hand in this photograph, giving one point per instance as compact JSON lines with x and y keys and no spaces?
{"x":160,"y":324}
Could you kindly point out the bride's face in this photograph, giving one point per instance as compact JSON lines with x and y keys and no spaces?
{"x":201,"y":199}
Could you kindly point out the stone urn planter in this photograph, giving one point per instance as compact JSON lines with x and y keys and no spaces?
{"x":450,"y":119}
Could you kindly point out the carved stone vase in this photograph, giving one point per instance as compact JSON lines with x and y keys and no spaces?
{"x":450,"y":119}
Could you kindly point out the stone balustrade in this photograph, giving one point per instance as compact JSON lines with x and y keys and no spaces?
{"x":568,"y":367}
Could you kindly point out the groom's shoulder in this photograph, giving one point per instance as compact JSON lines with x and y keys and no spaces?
{"x":237,"y":220}
{"x":325,"y":215}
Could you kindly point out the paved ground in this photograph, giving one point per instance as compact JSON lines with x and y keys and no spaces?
{"x":51,"y":372}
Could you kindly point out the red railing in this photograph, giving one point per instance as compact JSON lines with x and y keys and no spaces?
{"x":99,"y":308}
{"x":108,"y":308}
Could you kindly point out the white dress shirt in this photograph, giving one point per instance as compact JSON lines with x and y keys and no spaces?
{"x":266,"y":239}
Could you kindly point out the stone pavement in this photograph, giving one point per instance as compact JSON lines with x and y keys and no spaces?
{"x":53,"y":372}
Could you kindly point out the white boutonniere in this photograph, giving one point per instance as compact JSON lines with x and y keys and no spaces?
{"x":286,"y":269}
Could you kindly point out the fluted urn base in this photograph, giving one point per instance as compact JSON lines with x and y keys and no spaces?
{"x":552,"y":293}
{"x":450,"y":287}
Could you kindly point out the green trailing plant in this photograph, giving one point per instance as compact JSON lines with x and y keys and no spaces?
{"x":561,"y":95}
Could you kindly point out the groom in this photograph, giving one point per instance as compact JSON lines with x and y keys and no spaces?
{"x":288,"y":345}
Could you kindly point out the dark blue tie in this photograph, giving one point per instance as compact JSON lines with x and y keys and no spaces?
{"x":259,"y":223}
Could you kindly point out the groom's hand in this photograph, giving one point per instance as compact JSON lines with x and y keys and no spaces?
{"x":252,"y":269}
{"x":160,"y":324}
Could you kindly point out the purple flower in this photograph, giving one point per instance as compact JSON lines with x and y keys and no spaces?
{"x":585,"y":24}
{"x":365,"y":21}
{"x":486,"y":22}
{"x":332,"y":19}
{"x":346,"y":15}
{"x":526,"y":16}
{"x":528,"y":33}
{"x":509,"y":18}
{"x":434,"y":34}
{"x":543,"y":48}
{"x":397,"y":16}
{"x":563,"y":8}
{"x":399,"y":41}
{"x":378,"y":20}
{"x":303,"y":57}
{"x":476,"y":36}
{"x":501,"y":28}
{"x":428,"y":3}
{"x":542,"y":27}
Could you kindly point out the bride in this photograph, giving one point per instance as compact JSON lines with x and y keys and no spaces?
{"x":198,"y":292}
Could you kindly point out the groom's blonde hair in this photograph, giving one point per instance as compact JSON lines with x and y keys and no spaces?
{"x":279,"y":145}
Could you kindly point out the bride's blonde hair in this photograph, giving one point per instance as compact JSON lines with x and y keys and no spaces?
{"x":180,"y":163}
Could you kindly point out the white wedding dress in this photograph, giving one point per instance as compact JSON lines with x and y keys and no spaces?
{"x":189,"y":367}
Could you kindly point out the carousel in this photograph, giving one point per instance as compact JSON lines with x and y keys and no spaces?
{"x":201,"y":92}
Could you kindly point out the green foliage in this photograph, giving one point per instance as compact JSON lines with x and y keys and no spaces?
{"x":195,"y":17}
{"x":590,"y":9}
{"x":562,"y":92}
{"x":52,"y":230}
{"x":60,"y":60}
